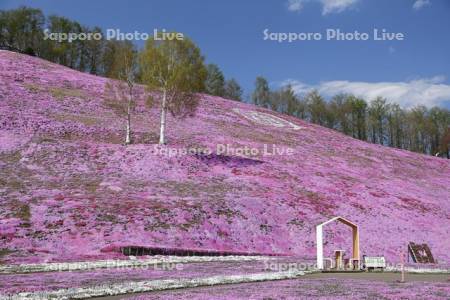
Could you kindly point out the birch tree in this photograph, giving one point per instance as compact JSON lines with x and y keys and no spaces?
{"x":121,"y":92}
{"x":174,"y":69}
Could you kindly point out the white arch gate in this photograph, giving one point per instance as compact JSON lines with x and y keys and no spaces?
{"x":319,"y":239}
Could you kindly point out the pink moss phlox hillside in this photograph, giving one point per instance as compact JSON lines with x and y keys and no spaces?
{"x":69,"y":188}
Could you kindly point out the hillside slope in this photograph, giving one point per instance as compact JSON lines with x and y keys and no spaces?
{"x":69,"y":190}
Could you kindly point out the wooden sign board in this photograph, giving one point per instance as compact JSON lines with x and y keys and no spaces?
{"x":421,"y":253}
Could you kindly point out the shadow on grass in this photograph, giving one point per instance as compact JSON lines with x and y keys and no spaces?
{"x":228,"y":161}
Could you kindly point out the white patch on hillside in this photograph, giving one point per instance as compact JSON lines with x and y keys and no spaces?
{"x":266,"y":119}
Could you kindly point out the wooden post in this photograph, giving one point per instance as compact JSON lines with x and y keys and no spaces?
{"x":355,"y":243}
{"x":402,"y":261}
{"x":339,"y":258}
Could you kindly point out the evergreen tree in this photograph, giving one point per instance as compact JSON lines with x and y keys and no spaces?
{"x":316,"y":107}
{"x":284,"y":101}
{"x":215,"y":81}
{"x":233,"y":90}
{"x":261,"y":94}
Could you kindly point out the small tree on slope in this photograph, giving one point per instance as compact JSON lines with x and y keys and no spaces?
{"x":174,"y":68}
{"x":120,"y":93}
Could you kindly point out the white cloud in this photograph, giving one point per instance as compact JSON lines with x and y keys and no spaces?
{"x":328,"y":6}
{"x":336,"y":6}
{"x":295,"y":5}
{"x":418,"y":4}
{"x":426,"y":91}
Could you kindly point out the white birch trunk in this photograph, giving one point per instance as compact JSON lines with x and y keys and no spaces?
{"x":128,"y":126}
{"x":163,"y":120}
{"x":128,"y":130}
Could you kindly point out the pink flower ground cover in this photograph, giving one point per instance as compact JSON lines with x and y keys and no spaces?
{"x":303,"y":288}
{"x":70,"y":191}
{"x":33,"y":282}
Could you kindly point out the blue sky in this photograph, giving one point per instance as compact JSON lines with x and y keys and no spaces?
{"x":230,"y":34}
